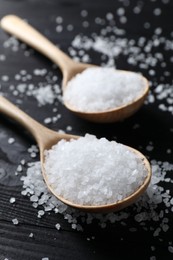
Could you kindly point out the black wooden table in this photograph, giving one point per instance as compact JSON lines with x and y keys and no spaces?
{"x":130,"y":35}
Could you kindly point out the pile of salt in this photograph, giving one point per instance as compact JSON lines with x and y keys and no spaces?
{"x":91,"y":171}
{"x":99,"y":89}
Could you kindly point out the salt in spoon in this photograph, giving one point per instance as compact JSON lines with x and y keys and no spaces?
{"x":46,"y":138}
{"x":26,"y":33}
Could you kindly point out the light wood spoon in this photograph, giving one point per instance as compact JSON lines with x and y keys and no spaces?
{"x":26,"y":33}
{"x":46,"y":138}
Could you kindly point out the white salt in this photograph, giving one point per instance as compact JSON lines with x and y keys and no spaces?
{"x":91,"y":171}
{"x":12,"y":200}
{"x":58,"y":226}
{"x":11,"y":140}
{"x":19,"y":168}
{"x":157,"y":11}
{"x":15,"y":221}
{"x":47,"y":120}
{"x":44,"y":95}
{"x":99,"y":89}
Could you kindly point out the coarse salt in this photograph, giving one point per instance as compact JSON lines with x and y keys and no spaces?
{"x":91,"y":171}
{"x":99,"y":89}
{"x":12,"y":200}
{"x":15,"y":221}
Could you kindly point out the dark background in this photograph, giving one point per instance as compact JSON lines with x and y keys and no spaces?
{"x":116,"y":241}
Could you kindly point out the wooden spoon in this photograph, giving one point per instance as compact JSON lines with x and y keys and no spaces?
{"x":23,"y":31}
{"x":46,"y":138}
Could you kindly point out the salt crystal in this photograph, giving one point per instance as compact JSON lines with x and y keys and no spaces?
{"x":84,"y":13}
{"x":22,"y":161}
{"x":19,"y":168}
{"x":59,"y":28}
{"x":85,"y":24}
{"x":11,"y":140}
{"x":157,"y":11}
{"x":123,"y":19}
{"x":153,"y":257}
{"x":31,"y":235}
{"x":47,"y":120}
{"x":2,"y":57}
{"x":5,"y":78}
{"x":15,"y":221}
{"x":137,"y":9}
{"x":165,"y":227}
{"x":92,"y":167}
{"x":59,"y":19}
{"x":70,"y":27}
{"x":120,"y":11}
{"x":12,"y":200}
{"x":156,"y":232}
{"x":34,"y":198}
{"x":170,"y":249}
{"x":40,"y":213}
{"x":149,"y":147}
{"x":74,"y":226}
{"x":58,"y":226}
{"x":112,"y":89}
{"x":69,"y":128}
{"x":109,"y":16}
{"x":33,"y":155}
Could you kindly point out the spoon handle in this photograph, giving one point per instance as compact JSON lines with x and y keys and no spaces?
{"x":26,"y":33}
{"x":36,"y":129}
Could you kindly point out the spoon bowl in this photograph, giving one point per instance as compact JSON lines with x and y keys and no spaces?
{"x":70,"y":68}
{"x":46,"y":138}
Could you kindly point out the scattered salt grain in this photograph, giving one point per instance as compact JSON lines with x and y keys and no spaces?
{"x":69,"y":128}
{"x":40,"y":213}
{"x":92,"y":167}
{"x":22,"y":162}
{"x":112,"y":89}
{"x":47,"y":120}
{"x":39,"y":72}
{"x":168,"y":151}
{"x":153,"y":257}
{"x":33,"y":155}
{"x":19,"y":168}
{"x":58,"y":226}
{"x":31,"y":235}
{"x":170,"y":249}
{"x":59,"y":28}
{"x":15,"y":221}
{"x":84,"y":13}
{"x":150,"y":147}
{"x":34,"y":198}
{"x":12,"y":200}
{"x":11,"y":140}
{"x":73,"y":226}
{"x":5,"y":78}
{"x":147,"y":211}
{"x":157,"y":11}
{"x":2,"y":57}
{"x":70,"y":27}
{"x":59,"y":19}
